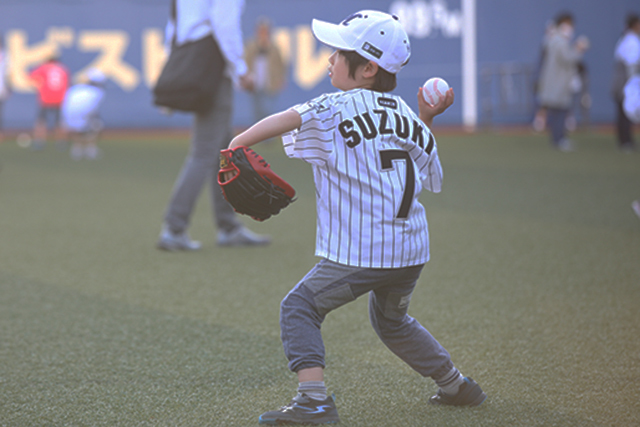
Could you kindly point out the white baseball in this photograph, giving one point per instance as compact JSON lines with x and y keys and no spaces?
{"x":434,"y":89}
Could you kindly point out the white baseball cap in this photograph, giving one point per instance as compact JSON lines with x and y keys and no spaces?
{"x":375,"y":35}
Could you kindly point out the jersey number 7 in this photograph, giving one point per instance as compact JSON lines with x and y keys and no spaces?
{"x":386,"y":160}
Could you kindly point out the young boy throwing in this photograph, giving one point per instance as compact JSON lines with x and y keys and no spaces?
{"x":371,"y":157}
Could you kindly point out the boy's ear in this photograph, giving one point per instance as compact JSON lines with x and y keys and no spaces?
{"x":370,"y":70}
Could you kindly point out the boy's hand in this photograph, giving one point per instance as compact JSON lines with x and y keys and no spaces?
{"x":428,"y":111}
{"x":247,"y":82}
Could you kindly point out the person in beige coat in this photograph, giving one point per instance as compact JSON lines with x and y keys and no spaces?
{"x":558,"y":71}
{"x":267,"y":67}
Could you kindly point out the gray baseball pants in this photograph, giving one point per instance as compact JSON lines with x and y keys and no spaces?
{"x":329,"y":285}
{"x":212,"y":131}
{"x":556,"y":121}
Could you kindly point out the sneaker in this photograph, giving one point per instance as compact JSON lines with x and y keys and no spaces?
{"x":170,"y":241}
{"x":636,"y":207}
{"x":470,"y":394}
{"x":566,"y":145}
{"x":303,"y":410}
{"x":242,"y":236}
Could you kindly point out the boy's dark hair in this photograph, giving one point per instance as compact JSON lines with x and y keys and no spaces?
{"x":384,"y":80}
{"x":632,"y":20}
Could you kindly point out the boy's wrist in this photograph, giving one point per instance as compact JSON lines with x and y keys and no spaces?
{"x":427,"y":119}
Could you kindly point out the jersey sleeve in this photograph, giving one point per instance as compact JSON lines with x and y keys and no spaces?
{"x":313,"y":142}
{"x":430,"y":170}
{"x":422,"y":147}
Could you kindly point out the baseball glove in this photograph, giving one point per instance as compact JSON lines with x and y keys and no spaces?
{"x":250,"y":185}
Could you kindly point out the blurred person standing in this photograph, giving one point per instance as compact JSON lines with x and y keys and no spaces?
{"x":51,"y":80}
{"x":267,"y":68}
{"x":80,"y":115}
{"x":5,"y":85}
{"x":540,"y":115}
{"x":211,"y":130}
{"x":631,"y":109}
{"x":559,"y":68}
{"x":626,"y":64}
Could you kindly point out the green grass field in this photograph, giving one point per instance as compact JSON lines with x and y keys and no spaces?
{"x":533,"y":286}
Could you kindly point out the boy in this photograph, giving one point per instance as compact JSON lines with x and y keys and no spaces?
{"x":371,"y":156}
{"x":81,"y":115}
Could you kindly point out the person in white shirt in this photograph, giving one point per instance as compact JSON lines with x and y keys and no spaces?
{"x":5,"y":86}
{"x":212,"y":130}
{"x":631,"y":107}
{"x":626,"y":64}
{"x":81,"y":115}
{"x":371,"y":156}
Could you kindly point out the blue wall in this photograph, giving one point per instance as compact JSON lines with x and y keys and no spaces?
{"x":509,"y":35}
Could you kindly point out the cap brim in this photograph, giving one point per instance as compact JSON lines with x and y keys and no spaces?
{"x":329,"y":34}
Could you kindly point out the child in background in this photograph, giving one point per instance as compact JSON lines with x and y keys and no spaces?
{"x":50,"y":80}
{"x":81,"y":118}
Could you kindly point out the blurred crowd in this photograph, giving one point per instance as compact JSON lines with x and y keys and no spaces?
{"x":561,"y":87}
{"x":69,"y":112}
{"x":562,"y":82}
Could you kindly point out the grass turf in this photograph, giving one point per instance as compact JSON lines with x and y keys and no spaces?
{"x":533,"y":286}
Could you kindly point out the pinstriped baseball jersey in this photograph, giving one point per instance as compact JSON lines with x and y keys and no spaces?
{"x":371,"y":156}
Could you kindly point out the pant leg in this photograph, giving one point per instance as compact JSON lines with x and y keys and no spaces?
{"x":556,"y":118}
{"x":403,"y":334}
{"x":212,"y":131}
{"x":623,"y":127}
{"x":218,"y":128}
{"x":328,"y":286}
{"x":301,"y":314}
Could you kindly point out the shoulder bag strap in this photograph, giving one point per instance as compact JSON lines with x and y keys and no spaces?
{"x":174,"y":16}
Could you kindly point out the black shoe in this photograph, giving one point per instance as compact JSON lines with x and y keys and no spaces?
{"x":303,"y":410}
{"x":469,"y":394}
